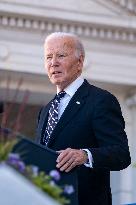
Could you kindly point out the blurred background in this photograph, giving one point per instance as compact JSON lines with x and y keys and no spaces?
{"x":107,"y":29}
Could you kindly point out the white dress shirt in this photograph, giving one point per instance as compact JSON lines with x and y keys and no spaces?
{"x":70,"y":91}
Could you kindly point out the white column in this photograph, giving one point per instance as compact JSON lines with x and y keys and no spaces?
{"x":128,"y":177}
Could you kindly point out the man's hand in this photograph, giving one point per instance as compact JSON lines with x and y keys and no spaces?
{"x":69,"y":158}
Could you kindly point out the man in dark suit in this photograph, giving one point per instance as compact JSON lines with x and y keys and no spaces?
{"x":83,"y":123}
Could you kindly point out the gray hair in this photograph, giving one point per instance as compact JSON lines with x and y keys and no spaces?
{"x":78,"y":44}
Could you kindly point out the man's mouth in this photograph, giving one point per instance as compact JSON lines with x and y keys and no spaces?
{"x":56,"y":72}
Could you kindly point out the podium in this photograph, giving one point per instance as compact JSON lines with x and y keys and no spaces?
{"x":45,"y":158}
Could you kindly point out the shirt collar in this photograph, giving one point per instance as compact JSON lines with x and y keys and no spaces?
{"x":72,"y":88}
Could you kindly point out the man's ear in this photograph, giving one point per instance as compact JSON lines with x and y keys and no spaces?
{"x":81,"y":61}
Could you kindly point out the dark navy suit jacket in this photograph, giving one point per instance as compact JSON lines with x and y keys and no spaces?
{"x":97,"y":124}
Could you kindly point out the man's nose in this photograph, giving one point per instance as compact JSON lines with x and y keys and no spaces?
{"x":54,"y":61}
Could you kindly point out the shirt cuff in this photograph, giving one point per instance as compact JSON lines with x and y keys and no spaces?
{"x":90,"y":159}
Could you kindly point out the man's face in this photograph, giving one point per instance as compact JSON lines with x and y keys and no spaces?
{"x":62,"y":65}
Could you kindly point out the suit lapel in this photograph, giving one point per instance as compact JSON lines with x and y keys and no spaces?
{"x":71,"y":110}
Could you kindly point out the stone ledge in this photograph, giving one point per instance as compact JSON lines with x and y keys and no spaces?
{"x":88,"y":31}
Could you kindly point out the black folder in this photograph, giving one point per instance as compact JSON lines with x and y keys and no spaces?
{"x":45,"y":158}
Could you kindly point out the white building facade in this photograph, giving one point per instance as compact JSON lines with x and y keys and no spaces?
{"x":107,"y":29}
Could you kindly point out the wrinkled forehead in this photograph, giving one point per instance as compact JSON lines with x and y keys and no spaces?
{"x":57,"y":44}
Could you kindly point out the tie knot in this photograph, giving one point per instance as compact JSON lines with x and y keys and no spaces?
{"x":60,"y":94}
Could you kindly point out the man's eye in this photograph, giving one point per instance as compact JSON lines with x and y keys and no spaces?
{"x":48,"y":57}
{"x":61,"y":56}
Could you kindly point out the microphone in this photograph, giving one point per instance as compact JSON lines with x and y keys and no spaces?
{"x":1,"y":107}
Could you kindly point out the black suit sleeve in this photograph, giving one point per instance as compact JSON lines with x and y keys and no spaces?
{"x":112,"y":152}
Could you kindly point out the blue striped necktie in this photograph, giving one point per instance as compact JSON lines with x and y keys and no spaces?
{"x":53,"y":117}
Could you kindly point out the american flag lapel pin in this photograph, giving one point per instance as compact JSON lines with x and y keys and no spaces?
{"x":77,"y":102}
